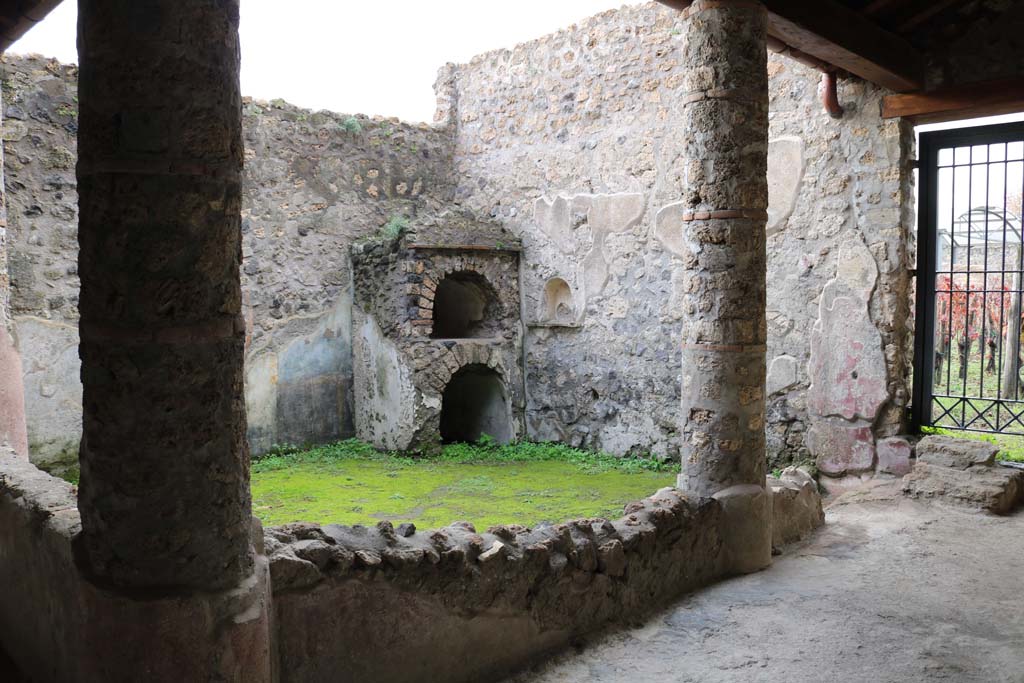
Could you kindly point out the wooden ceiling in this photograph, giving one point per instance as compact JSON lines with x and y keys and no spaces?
{"x":18,"y":16}
{"x":882,"y":41}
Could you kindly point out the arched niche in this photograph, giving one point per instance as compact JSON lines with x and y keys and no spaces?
{"x":465,"y":307}
{"x":475,"y":402}
{"x":557,"y":306}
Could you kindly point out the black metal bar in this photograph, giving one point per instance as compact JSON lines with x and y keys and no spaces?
{"x":1002,"y":288}
{"x":924,"y":338}
{"x":965,"y":360}
{"x":983,"y":338}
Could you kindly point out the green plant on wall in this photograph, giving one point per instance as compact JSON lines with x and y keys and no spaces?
{"x":394,"y":228}
{"x":351,"y":125}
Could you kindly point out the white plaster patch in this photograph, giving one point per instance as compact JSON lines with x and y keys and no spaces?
{"x":554,"y":218}
{"x":385,"y":396}
{"x":782,"y":374}
{"x":785,"y":172}
{"x":261,"y":401}
{"x":668,"y":228}
{"x":606,"y":214}
{"x":53,"y":388}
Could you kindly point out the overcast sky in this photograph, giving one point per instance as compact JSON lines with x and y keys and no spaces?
{"x":358,"y":57}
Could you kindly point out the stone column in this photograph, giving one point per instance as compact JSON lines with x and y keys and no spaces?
{"x":13,"y":430}
{"x":167,"y":532}
{"x":725,"y":121}
{"x":164,"y":492}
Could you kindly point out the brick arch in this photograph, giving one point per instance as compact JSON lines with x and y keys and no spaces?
{"x":447,"y":362}
{"x":477,"y":400}
{"x":464,"y":304}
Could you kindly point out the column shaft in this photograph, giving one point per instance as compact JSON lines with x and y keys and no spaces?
{"x":725,"y":119}
{"x":164,"y":492}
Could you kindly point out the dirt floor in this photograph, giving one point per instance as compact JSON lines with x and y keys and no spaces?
{"x":890,"y":590}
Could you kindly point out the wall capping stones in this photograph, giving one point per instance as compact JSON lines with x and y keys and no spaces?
{"x":546,"y":585}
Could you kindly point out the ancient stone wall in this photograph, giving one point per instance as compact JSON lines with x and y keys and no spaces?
{"x":13,"y":432}
{"x":39,"y":134}
{"x":573,"y":142}
{"x":314,"y":182}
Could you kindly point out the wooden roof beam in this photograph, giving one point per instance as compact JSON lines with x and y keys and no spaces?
{"x":19,"y":17}
{"x":836,"y":34}
{"x":988,"y":98}
{"x":833,"y":33}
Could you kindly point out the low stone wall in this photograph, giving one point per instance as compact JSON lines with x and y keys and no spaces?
{"x":796,"y":506}
{"x":455,"y":604}
{"x":38,"y":519}
{"x":355,"y":603}
{"x":458,"y":605}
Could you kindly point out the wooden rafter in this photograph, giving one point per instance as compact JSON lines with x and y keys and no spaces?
{"x":882,"y":7}
{"x":987,"y":98}
{"x":921,"y":16}
{"x":16,"y":18}
{"x":836,"y":35}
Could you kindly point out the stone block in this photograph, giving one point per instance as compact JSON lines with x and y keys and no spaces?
{"x":796,"y":506}
{"x":894,"y":456}
{"x":746,"y":528}
{"x":947,"y":451}
{"x":841,"y":448}
{"x":995,"y":489}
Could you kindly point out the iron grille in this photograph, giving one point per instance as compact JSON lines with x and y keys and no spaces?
{"x":968,"y":346}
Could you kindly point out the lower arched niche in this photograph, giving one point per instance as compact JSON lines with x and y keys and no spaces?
{"x":474,"y":403}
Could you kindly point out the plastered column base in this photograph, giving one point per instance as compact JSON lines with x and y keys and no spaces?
{"x":221,"y":636}
{"x":746,"y":528}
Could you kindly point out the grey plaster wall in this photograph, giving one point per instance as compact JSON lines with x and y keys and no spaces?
{"x":573,"y":142}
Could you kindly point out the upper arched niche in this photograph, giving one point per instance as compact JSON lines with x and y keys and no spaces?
{"x":557,"y":306}
{"x":465,"y":307}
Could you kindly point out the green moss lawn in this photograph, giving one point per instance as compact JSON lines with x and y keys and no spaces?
{"x":351,"y":483}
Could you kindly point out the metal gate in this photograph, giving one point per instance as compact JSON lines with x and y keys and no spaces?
{"x":968,"y":346}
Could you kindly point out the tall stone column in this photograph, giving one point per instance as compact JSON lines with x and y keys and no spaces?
{"x":164,"y":493}
{"x":725,"y":121}
{"x":166,"y":543}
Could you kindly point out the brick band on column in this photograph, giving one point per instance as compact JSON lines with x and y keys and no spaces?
{"x":725,"y":119}
{"x":164,"y":492}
